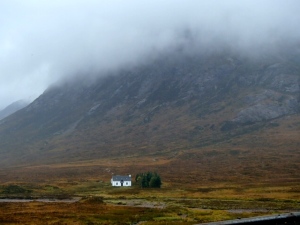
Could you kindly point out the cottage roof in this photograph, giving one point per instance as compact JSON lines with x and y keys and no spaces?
{"x":121,"y":178}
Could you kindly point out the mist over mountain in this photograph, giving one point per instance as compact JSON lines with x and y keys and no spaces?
{"x":48,"y":42}
{"x":176,"y":102}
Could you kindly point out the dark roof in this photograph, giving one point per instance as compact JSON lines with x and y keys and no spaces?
{"x":119,"y":178}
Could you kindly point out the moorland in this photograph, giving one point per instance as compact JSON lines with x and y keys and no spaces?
{"x":221,"y":131}
{"x":192,"y":193}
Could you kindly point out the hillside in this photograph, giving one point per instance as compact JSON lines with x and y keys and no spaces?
{"x":181,"y":114}
{"x":12,"y":108}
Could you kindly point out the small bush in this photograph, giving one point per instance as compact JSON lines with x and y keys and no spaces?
{"x":15,"y":189}
{"x":95,"y":199}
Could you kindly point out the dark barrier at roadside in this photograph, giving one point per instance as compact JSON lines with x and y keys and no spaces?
{"x":279,"y":219}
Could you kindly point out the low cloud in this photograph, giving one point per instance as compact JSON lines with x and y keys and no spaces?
{"x":42,"y":42}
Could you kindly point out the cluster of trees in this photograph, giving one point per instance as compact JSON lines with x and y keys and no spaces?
{"x":149,"y":179}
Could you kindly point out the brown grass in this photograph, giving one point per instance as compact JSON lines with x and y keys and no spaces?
{"x":251,"y":175}
{"x":73,"y":213}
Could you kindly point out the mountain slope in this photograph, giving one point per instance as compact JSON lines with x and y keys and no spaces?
{"x":171,"y":106}
{"x":13,"y":107}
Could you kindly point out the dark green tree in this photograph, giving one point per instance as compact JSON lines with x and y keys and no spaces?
{"x":155,"y":181}
{"x":148,"y":179}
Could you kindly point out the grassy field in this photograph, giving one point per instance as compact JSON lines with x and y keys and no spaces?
{"x":240,"y":177}
{"x":184,"y":198}
{"x":96,"y":202}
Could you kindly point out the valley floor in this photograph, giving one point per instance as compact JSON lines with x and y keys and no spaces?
{"x":221,"y":182}
{"x":99,"y":203}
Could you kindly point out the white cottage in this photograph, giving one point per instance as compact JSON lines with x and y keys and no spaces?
{"x":120,"y":181}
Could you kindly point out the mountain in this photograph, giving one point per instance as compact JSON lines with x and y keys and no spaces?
{"x":181,"y":109}
{"x":13,"y":107}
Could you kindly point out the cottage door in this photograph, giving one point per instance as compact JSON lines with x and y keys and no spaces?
{"x":122,"y":183}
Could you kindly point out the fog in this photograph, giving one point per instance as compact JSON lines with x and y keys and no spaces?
{"x":43,"y":42}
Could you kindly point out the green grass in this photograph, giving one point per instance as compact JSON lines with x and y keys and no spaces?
{"x":103,"y":204}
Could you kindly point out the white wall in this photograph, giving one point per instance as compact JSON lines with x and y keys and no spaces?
{"x":118,"y":183}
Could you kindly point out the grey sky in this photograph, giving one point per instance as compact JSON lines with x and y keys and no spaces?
{"x":43,"y":41}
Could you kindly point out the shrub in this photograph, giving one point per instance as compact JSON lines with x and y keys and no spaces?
{"x":15,"y":189}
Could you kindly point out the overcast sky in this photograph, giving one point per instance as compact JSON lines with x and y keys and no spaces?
{"x":43,"y":41}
